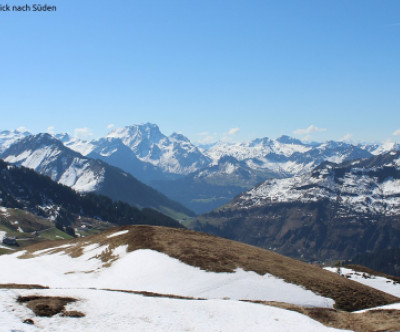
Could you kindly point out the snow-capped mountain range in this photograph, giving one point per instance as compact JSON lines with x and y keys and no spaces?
{"x":171,"y":155}
{"x":370,"y":186}
{"x":165,"y":161}
{"x":286,"y":155}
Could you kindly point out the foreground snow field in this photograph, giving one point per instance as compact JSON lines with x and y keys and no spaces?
{"x":138,"y":278}
{"x":148,"y":270}
{"x":106,"y":311}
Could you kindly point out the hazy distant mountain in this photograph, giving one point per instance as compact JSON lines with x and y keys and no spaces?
{"x":114,"y":152}
{"x":214,"y":185}
{"x":287,"y":155}
{"x":8,"y":137}
{"x":376,"y":149}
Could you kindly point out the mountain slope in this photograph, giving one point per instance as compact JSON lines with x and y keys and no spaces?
{"x":114,"y":152}
{"x":52,"y":203}
{"x":334,"y":212}
{"x":48,"y":156}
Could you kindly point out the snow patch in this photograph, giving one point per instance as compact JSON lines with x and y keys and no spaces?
{"x":148,"y":270}
{"x":112,"y":311}
{"x":383,"y":284}
{"x":118,"y":234}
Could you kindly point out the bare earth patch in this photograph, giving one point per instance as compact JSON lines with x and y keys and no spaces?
{"x":46,"y":306}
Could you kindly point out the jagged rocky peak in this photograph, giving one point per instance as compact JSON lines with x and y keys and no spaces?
{"x":63,"y":137}
{"x":261,"y":141}
{"x":35,"y":141}
{"x":179,"y":137}
{"x":134,"y":134}
{"x":228,"y":159}
{"x":284,"y":139}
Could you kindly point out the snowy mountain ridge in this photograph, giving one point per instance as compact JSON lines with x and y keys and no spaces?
{"x":176,"y":155}
{"x":362,"y":186}
{"x":48,"y":156}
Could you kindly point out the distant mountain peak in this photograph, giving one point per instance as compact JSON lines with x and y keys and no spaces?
{"x":179,"y":137}
{"x":285,"y":139}
{"x":262,"y":141}
{"x":41,"y":139}
{"x":63,"y":137}
{"x":7,"y":137}
{"x":133,"y":135}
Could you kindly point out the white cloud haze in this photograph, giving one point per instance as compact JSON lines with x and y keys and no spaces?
{"x":50,"y":130}
{"x":21,"y":129}
{"x":345,"y":137}
{"x":83,"y":133}
{"x":233,"y":131}
{"x":207,"y":138}
{"x":309,"y":130}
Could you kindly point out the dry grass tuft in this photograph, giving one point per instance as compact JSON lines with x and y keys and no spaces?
{"x":22,"y":286}
{"x":152,"y":294}
{"x":72,"y":314}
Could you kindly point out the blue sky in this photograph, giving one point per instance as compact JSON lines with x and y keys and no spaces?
{"x":210,"y":69}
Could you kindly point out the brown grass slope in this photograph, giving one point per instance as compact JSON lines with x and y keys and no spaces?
{"x":377,"y":320}
{"x":216,"y":254}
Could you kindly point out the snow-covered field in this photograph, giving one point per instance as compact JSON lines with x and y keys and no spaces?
{"x":148,"y":270}
{"x":99,"y":289}
{"x":117,"y":311}
{"x":139,"y":291}
{"x":385,"y":285}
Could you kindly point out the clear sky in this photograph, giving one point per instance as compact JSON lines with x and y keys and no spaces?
{"x":209,"y":69}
